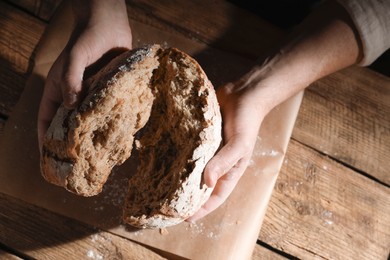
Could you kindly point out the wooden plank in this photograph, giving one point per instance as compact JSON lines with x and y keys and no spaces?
{"x":20,"y":34}
{"x":25,"y":32}
{"x":216,"y":23}
{"x":4,"y":255}
{"x":262,"y":253}
{"x":41,"y":234}
{"x":2,"y":123}
{"x":347,"y":116}
{"x":273,"y":224}
{"x":313,"y":130}
{"x":321,"y":209}
{"x":339,"y":116}
{"x":333,"y":112}
{"x":43,"y":9}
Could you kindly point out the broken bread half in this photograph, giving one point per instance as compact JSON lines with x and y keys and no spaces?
{"x":162,"y":101}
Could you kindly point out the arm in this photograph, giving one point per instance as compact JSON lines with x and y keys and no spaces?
{"x":326,"y":42}
{"x":100,"y":27}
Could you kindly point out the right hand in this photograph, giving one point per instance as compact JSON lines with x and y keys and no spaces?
{"x":242,"y":113}
{"x":101,"y":27}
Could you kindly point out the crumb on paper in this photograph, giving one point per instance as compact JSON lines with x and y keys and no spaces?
{"x":213,"y":235}
{"x":251,"y":163}
{"x":164,"y":231}
{"x":196,"y":228}
{"x":271,"y":153}
{"x":102,"y":247}
{"x":327,"y":217}
{"x":94,"y":255}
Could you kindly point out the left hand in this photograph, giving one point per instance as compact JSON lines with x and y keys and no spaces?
{"x":100,"y":28}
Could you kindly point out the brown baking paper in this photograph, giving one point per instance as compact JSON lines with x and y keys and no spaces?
{"x":230,"y":232}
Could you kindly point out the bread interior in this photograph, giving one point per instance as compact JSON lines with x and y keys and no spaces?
{"x":168,"y":140}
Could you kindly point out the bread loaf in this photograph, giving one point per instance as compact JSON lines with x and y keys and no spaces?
{"x":161,"y":100}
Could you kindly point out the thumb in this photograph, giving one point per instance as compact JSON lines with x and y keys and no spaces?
{"x":73,"y":71}
{"x":229,"y":160}
{"x":81,"y":56}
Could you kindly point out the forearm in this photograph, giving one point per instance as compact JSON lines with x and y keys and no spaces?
{"x":326,"y":42}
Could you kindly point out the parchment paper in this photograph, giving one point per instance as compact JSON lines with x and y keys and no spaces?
{"x":230,"y":232}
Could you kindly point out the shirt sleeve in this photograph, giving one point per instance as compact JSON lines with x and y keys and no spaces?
{"x":372,"y":21}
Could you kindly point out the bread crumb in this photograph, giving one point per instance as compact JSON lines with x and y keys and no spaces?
{"x":93,"y":255}
{"x":164,"y":231}
{"x":211,"y":234}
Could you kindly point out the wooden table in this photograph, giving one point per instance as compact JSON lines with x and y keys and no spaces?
{"x":332,"y":197}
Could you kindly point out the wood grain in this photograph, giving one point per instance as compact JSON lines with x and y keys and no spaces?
{"x":19,"y":19}
{"x":4,"y":255}
{"x":321,"y":209}
{"x":262,"y":253}
{"x":43,"y":9}
{"x":318,"y":123}
{"x":216,"y":23}
{"x":347,"y":116}
{"x":332,"y":120}
{"x":19,"y":36}
{"x":2,"y":123}
{"x":42,"y":234}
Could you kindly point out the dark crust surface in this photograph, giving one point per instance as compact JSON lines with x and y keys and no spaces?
{"x":174,"y":100}
{"x":60,"y":151}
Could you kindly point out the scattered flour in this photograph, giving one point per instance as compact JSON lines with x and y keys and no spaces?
{"x":328,"y":217}
{"x":94,"y":255}
{"x":102,"y":248}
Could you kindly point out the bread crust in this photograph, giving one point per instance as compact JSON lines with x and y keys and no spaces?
{"x":80,"y":147}
{"x":162,"y":91}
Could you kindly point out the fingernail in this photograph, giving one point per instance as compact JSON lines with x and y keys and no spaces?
{"x":71,"y":100}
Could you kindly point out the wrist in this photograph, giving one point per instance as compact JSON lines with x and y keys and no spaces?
{"x":324,"y":43}
{"x":270,"y":83}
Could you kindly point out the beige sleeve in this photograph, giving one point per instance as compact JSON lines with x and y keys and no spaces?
{"x":372,"y":20}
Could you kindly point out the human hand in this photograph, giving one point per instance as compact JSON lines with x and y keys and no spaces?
{"x":101,"y":27}
{"x":324,"y":43}
{"x":242,"y":115}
